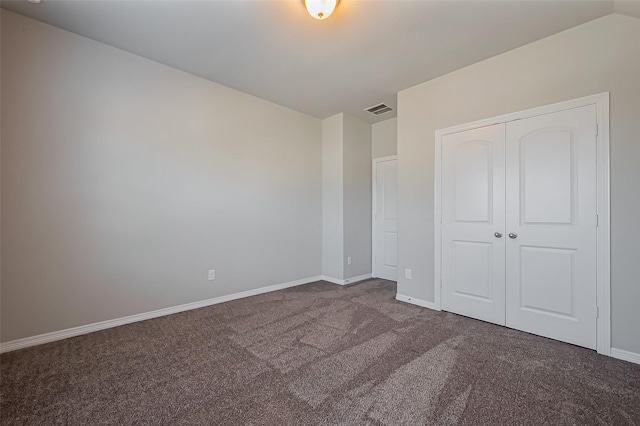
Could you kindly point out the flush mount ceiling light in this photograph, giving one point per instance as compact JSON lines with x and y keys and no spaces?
{"x":320,"y":9}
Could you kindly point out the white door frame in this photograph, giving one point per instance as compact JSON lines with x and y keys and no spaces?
{"x":603,"y":278}
{"x":374,"y":173}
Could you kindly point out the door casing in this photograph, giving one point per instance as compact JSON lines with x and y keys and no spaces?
{"x":603,"y":232}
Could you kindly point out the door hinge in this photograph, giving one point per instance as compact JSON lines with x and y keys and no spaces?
{"x":597,"y":129}
{"x":440,"y":218}
{"x":597,"y":312}
{"x":597,"y":221}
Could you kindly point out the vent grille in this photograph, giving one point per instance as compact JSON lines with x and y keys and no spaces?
{"x":379,"y":109}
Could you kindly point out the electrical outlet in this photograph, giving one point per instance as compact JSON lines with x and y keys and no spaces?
{"x":407,"y":274}
{"x":212,"y":274}
{"x":349,"y":260}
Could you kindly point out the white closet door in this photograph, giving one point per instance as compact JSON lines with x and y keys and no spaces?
{"x":551,"y":225}
{"x":386,"y":221}
{"x":473,"y":222}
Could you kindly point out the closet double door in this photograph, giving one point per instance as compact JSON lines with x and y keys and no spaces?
{"x":519,"y":224}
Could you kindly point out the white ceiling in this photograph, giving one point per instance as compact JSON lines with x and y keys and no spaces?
{"x":363,"y":54}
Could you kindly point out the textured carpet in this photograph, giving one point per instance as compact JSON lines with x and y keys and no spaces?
{"x":316,"y":354}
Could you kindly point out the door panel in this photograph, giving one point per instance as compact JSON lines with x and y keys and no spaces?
{"x":390,"y":246}
{"x":471,"y":272}
{"x":472,"y":181}
{"x":546,"y":161}
{"x":551,"y":210}
{"x":547,"y":271}
{"x":385,"y":264}
{"x":473,"y":269}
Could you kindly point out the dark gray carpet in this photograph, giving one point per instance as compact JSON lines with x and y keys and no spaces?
{"x":316,"y":354}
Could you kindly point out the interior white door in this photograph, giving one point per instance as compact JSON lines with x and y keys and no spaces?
{"x":551,"y":225}
{"x":473,"y":223}
{"x":385,"y":261}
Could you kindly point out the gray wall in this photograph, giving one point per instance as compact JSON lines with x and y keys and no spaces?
{"x":357,"y":196}
{"x":384,"y":138}
{"x":124,"y":181}
{"x":332,"y":197}
{"x":346,"y":197}
{"x":599,"y":56}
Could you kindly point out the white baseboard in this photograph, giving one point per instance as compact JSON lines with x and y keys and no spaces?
{"x":346,"y":281}
{"x":415,"y":301}
{"x":357,"y":279}
{"x":90,"y":328}
{"x":625,"y":355}
{"x":332,"y":280}
{"x":615,"y":353}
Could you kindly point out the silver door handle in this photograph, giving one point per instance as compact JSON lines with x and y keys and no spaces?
{"x":513,"y":236}
{"x":498,"y":235}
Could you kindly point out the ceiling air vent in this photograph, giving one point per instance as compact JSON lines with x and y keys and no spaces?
{"x":379,"y":109}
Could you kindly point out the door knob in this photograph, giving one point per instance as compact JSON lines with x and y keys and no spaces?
{"x":513,"y":236}
{"x":498,"y":235}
